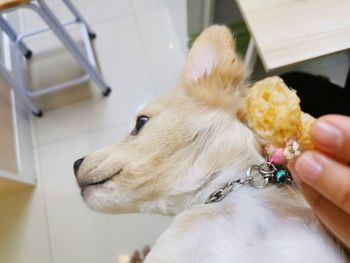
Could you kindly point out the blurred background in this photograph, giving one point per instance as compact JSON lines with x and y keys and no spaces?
{"x":138,"y":51}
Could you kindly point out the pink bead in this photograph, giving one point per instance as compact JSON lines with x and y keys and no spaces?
{"x":277,"y":157}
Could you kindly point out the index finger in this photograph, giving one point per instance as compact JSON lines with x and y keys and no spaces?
{"x":331,"y":134}
{"x":335,"y":219}
{"x":329,"y":178}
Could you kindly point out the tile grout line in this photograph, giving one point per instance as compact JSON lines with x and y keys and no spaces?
{"x":153,"y":72}
{"x":144,"y":48}
{"x":40,"y":181}
{"x":38,"y":146}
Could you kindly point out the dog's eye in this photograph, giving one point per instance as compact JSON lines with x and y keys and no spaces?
{"x":139,"y":124}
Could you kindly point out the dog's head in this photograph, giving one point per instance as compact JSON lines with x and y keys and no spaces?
{"x":180,"y":140}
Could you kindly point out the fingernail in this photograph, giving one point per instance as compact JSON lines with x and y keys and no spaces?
{"x":308,"y":167}
{"x":327,"y":134}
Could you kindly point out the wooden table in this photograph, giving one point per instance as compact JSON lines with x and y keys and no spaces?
{"x":287,"y":32}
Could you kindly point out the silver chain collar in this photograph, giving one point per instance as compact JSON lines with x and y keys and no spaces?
{"x":258,"y":176}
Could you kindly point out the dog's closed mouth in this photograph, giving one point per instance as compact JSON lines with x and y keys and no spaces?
{"x":100,"y":182}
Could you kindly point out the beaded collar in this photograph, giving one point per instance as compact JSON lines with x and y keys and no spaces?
{"x":273,"y":171}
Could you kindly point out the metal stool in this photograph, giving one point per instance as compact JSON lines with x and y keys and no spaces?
{"x":88,"y":62}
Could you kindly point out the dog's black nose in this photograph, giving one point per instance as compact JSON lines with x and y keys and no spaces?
{"x":77,"y":165}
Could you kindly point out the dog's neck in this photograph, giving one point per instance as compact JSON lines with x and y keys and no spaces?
{"x":177,"y":203}
{"x":198,"y":184}
{"x":220,"y":179}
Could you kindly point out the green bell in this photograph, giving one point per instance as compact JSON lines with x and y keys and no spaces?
{"x":280,"y":176}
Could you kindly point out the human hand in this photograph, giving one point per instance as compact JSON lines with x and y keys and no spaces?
{"x":324,"y":174}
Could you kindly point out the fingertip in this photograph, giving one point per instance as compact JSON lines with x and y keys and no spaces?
{"x":326,"y":134}
{"x":331,"y":134}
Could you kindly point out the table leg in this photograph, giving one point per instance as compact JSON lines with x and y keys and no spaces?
{"x":250,"y":57}
{"x":347,"y":82}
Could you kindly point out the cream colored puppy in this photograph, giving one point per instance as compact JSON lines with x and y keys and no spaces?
{"x":185,"y":145}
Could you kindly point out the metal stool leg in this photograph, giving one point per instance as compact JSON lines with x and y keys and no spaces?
{"x":4,"y":25}
{"x":52,"y":21}
{"x":16,"y":87}
{"x":79,"y":17}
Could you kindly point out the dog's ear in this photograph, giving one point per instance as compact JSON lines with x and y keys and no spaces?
{"x":213,"y":71}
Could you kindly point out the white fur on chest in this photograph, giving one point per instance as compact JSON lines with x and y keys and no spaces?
{"x":241,"y":228}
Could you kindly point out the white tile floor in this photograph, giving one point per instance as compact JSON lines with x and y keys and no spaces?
{"x":140,"y":56}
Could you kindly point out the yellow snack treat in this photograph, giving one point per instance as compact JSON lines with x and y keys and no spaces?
{"x":274,"y":113}
{"x":307,"y":121}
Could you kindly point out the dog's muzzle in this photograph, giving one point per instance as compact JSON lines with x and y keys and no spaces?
{"x":76,"y":166}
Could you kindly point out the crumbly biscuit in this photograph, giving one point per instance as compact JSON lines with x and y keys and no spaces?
{"x":274,"y":113}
